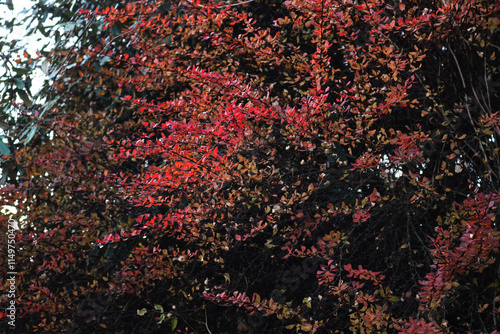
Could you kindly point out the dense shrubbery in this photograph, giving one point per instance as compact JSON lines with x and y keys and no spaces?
{"x":266,"y":167}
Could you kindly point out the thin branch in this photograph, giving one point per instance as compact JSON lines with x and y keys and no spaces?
{"x":486,"y":85}
{"x":206,"y":321}
{"x":458,"y":65}
{"x":477,"y":98}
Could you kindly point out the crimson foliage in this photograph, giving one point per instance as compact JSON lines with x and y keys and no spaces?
{"x":267,"y":166}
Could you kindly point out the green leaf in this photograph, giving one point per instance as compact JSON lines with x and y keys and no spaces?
{"x":4,"y":178}
{"x":55,"y":72}
{"x":44,"y":17}
{"x":174,"y":323}
{"x":141,"y":312}
{"x":159,"y":308}
{"x":4,"y":149}
{"x":30,"y":135}
{"x":104,"y":60}
{"x":19,"y":83}
{"x":45,"y":67}
{"x":69,"y":26}
{"x":115,"y":30}
{"x":43,"y":31}
{"x":22,"y":94}
{"x":21,"y":71}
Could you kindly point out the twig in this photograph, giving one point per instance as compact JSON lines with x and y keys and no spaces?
{"x":486,"y":85}
{"x":477,"y":98}
{"x":458,"y":65}
{"x":206,"y":321}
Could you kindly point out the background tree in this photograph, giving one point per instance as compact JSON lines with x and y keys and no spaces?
{"x":266,"y":166}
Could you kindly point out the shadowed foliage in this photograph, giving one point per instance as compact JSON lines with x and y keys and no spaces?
{"x":263,"y":167}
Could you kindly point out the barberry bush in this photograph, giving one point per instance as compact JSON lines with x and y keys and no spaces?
{"x":264,"y":166}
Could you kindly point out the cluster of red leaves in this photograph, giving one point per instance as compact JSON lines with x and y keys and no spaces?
{"x":297,"y":152}
{"x":476,"y":240}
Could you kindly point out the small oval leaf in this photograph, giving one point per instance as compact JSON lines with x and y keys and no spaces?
{"x":4,"y":149}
